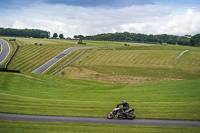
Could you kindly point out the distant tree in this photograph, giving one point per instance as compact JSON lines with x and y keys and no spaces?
{"x":55,"y":35}
{"x":75,"y":36}
{"x":81,"y":37}
{"x":188,"y":36}
{"x":48,"y":34}
{"x":24,"y":32}
{"x":186,"y":43}
{"x":195,"y":40}
{"x":170,"y":41}
{"x":61,"y":36}
{"x":180,"y":42}
{"x":43,"y":35}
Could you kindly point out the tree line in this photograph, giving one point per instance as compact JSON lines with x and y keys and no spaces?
{"x":35,"y":33}
{"x":122,"y":37}
{"x":143,"y":38}
{"x":55,"y":35}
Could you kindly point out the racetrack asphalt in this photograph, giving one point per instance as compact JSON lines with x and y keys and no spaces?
{"x":54,"y":60}
{"x":5,"y":50}
{"x":146,"y":122}
{"x":61,"y":55}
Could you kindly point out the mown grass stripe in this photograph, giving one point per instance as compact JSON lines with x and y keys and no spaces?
{"x":43,"y":54}
{"x":65,"y":60}
{"x":44,"y":57}
{"x":22,"y":58}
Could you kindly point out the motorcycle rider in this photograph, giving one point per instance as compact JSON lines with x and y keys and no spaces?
{"x":125,"y":106}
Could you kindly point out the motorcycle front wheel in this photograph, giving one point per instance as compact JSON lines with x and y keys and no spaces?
{"x":110,"y":116}
{"x":131,"y":116}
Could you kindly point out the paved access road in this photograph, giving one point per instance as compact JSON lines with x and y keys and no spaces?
{"x":5,"y":50}
{"x":99,"y":120}
{"x":54,"y":60}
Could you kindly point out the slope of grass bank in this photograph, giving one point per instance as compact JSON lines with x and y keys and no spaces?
{"x":44,"y":127}
{"x":140,"y":61}
{"x":30,"y":57}
{"x":50,"y":95}
{"x":65,"y":61}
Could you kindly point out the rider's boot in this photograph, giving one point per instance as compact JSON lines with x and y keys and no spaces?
{"x":124,"y":114}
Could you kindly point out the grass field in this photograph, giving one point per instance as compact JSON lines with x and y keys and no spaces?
{"x":29,"y":56}
{"x":44,"y":127}
{"x":148,"y":77}
{"x":50,"y":95}
{"x":150,"y":63}
{"x":65,"y":60}
{"x":143,"y":62}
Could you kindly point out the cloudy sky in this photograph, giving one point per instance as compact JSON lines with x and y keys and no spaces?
{"x":90,"y":17}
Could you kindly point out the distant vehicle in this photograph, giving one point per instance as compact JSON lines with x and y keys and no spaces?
{"x":12,"y":39}
{"x":129,"y":114}
{"x":126,"y":45}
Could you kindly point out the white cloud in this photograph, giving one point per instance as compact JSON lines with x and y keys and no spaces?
{"x":176,"y":23}
{"x":19,"y":25}
{"x":71,"y":20}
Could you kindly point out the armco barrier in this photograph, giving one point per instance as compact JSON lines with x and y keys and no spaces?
{"x":11,"y":57}
{"x":6,"y":70}
{"x":6,"y":65}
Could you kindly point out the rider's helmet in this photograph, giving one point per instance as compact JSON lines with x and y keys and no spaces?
{"x":124,"y":101}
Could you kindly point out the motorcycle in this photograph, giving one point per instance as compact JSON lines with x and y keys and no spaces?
{"x":129,"y":114}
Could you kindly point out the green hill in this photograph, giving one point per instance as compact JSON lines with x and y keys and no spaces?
{"x":50,"y":95}
{"x":100,"y":79}
{"x":29,"y":56}
{"x":144,"y":62}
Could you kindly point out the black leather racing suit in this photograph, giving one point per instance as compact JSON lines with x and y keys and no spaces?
{"x":125,"y":106}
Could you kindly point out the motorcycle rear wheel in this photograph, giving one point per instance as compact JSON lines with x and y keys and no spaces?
{"x":110,"y":116}
{"x":131,"y":116}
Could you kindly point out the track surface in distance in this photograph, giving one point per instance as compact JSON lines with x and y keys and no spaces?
{"x":5,"y":50}
{"x":99,"y":120}
{"x":54,"y":60}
